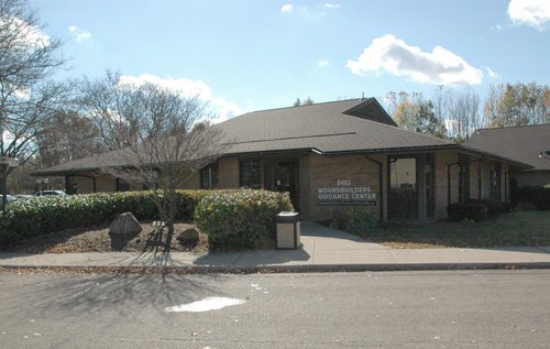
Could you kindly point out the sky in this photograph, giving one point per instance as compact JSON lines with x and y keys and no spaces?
{"x":251,"y":55}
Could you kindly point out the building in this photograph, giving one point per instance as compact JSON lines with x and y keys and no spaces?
{"x":332,"y":157}
{"x":528,"y":144}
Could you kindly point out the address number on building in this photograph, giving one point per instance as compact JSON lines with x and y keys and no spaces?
{"x":358,"y":195}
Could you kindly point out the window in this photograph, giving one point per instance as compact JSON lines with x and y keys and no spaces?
{"x":251,"y":174}
{"x":463,"y":181}
{"x":495,"y":182}
{"x":122,"y":185}
{"x":209,"y":177}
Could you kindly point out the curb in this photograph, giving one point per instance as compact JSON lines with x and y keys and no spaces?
{"x":270,"y":269}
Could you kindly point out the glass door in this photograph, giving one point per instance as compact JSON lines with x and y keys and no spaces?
{"x":402,"y":193}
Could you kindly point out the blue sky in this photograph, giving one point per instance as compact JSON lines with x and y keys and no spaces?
{"x":250,"y":55}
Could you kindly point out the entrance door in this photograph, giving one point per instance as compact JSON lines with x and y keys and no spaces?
{"x":403,"y":191}
{"x":282,"y":176}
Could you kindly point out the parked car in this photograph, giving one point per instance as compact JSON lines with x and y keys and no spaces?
{"x":50,"y":193}
{"x":10,"y":198}
{"x":24,"y":196}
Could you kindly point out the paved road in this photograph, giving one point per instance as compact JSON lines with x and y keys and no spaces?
{"x":494,"y":309}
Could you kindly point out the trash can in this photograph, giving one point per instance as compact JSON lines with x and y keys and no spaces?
{"x":288,"y":230}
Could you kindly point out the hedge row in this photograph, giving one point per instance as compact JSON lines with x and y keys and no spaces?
{"x":538,"y":196}
{"x":241,"y":220}
{"x":29,"y":218}
{"x":476,"y":209}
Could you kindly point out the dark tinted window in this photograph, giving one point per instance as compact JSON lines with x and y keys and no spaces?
{"x":251,"y":174}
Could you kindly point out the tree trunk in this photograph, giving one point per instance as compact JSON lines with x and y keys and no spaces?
{"x":172,"y":211}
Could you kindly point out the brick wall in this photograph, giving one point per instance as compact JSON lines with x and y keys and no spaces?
{"x":228,"y":173}
{"x":194,"y":182}
{"x":319,"y":170}
{"x":84,"y":185}
{"x":104,"y":184}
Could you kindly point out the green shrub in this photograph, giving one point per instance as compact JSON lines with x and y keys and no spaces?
{"x":538,"y":196}
{"x":456,"y":212}
{"x":360,"y":221}
{"x":476,"y":211}
{"x":494,"y":207}
{"x":29,"y":218}
{"x":240,"y":219}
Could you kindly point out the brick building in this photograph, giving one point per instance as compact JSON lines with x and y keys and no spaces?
{"x":529,"y":144}
{"x":331,"y":157}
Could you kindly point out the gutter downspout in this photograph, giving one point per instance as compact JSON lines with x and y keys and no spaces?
{"x":380,"y":184}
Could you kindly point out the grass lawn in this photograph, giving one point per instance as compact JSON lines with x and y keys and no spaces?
{"x":522,"y":228}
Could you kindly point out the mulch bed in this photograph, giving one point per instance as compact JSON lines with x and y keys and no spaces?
{"x":96,"y":239}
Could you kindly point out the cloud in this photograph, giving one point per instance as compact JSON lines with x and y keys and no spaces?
{"x":81,"y":35}
{"x":491,"y":73}
{"x":332,"y":6}
{"x":439,"y":67}
{"x":287,"y":8}
{"x":29,"y":35}
{"x":535,"y":13}
{"x":322,"y":63}
{"x":497,"y":27}
{"x":224,"y":110}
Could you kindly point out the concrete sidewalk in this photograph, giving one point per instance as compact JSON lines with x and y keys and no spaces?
{"x":323,"y":249}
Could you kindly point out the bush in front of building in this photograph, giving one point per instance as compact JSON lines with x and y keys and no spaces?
{"x":472,"y":210}
{"x":243,"y":219}
{"x":494,"y":208}
{"x":359,"y":221}
{"x":30,"y":218}
{"x":537,"y":196}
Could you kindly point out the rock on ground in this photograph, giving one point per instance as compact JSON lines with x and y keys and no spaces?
{"x":125,"y":224}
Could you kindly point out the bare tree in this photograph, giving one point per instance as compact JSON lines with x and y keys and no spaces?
{"x":27,"y":59}
{"x":160,"y":138}
{"x":68,"y":137}
{"x":463,"y":114}
{"x":299,"y":103}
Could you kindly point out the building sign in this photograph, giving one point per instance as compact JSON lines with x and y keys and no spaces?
{"x":344,"y":193}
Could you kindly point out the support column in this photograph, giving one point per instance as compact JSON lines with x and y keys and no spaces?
{"x":421,"y":187}
{"x":67,"y":185}
{"x":480,"y":170}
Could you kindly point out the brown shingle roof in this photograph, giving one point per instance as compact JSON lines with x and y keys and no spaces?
{"x":355,"y":125}
{"x":327,"y":127}
{"x":522,"y":143}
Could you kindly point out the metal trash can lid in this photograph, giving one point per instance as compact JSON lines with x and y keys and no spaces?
{"x":288,"y":217}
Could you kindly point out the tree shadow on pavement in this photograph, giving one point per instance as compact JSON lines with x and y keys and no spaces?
{"x":68,"y":295}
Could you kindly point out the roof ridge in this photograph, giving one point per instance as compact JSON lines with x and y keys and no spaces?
{"x":312,"y":105}
{"x":516,"y":126}
{"x":402,"y":129}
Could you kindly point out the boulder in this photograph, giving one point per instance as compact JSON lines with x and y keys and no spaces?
{"x":125,"y":224}
{"x":188,"y":235}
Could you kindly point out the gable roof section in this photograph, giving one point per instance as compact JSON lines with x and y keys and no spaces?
{"x":326,"y":127}
{"x":521,"y":143}
{"x":371,"y":110}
